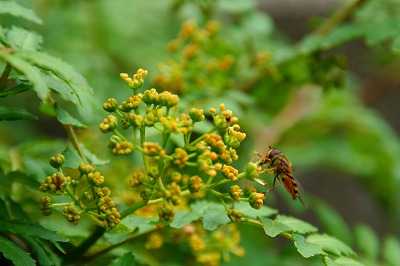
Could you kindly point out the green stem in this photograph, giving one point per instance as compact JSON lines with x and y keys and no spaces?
{"x":76,"y":254}
{"x":74,"y":141}
{"x":116,"y":132}
{"x":339,"y":16}
{"x":194,"y":142}
{"x":4,"y":76}
{"x":133,"y":208}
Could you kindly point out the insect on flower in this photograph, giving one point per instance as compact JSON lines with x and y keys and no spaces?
{"x":283,"y":170}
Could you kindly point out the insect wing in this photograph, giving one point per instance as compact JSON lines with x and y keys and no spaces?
{"x":293,"y":187}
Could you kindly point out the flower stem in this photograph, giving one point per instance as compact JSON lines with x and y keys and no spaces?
{"x":76,"y":254}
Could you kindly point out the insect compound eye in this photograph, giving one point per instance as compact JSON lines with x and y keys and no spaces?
{"x":273,"y":153}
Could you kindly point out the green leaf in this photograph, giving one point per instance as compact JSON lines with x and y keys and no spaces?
{"x":59,"y":68}
{"x":250,"y":212}
{"x":342,"y":34}
{"x":367,"y":241}
{"x":18,"y":38}
{"x":72,"y":159}
{"x":345,"y":261}
{"x":40,"y":252}
{"x":66,"y":119}
{"x":93,"y":159}
{"x":391,"y":250}
{"x":382,"y":30}
{"x":30,"y":229}
{"x":273,"y":228}
{"x":183,"y":218}
{"x":140,"y":224}
{"x":15,"y":9}
{"x":330,"y":245}
{"x":15,"y":114}
{"x":14,"y":253}
{"x":214,"y":217}
{"x":305,"y":248}
{"x":310,"y":43}
{"x":237,"y":6}
{"x":15,"y":90}
{"x":332,"y":223}
{"x":32,"y":73}
{"x":296,"y":225}
{"x":125,"y":259}
{"x":60,"y":87}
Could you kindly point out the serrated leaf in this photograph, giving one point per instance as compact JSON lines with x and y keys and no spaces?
{"x":126,"y":259}
{"x":66,"y":119}
{"x":310,"y":44}
{"x":214,"y":217}
{"x":72,"y":159}
{"x":200,"y":206}
{"x":60,"y":87}
{"x":93,"y":159}
{"x":342,"y":34}
{"x":305,"y":248}
{"x":40,"y":252}
{"x":18,"y":38}
{"x":382,"y":30}
{"x":141,"y":224}
{"x":183,"y":218}
{"x":330,"y":245}
{"x":367,"y":241}
{"x":59,"y":68}
{"x":391,"y":250}
{"x":296,"y":225}
{"x":15,"y":114}
{"x":32,"y":73}
{"x":15,"y":9}
{"x":15,"y":90}
{"x":250,"y":212}
{"x":30,"y":229}
{"x":345,"y":261}
{"x":273,"y":228}
{"x":14,"y":253}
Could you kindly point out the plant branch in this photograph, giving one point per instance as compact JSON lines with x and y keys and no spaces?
{"x":339,"y":16}
{"x":77,"y":253}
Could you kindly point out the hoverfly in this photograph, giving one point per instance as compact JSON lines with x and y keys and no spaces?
{"x":283,"y":170}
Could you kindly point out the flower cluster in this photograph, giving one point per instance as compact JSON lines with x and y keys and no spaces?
{"x":194,"y":47}
{"x":105,"y":210}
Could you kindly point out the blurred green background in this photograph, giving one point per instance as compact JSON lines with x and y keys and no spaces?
{"x":332,"y":108}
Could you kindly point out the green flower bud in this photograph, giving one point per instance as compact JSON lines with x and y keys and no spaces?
{"x":234,"y":215}
{"x":235,"y":192}
{"x":57,"y":161}
{"x":46,"y":205}
{"x":166,"y":214}
{"x":197,"y":115}
{"x":252,"y":171}
{"x":109,"y":124}
{"x":110,"y":105}
{"x":256,"y":200}
{"x":195,"y":183}
{"x":85,"y":169}
{"x":96,"y":179}
{"x":71,"y":213}
{"x":248,"y":190}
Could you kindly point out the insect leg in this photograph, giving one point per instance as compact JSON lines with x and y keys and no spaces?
{"x":273,"y":184}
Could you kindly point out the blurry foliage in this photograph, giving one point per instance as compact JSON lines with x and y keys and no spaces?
{"x":298,"y":97}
